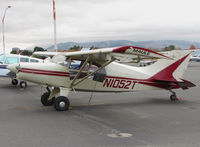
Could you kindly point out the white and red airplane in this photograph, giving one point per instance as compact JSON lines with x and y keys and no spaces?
{"x":96,"y":70}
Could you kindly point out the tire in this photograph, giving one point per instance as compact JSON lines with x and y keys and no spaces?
{"x":22,"y":84}
{"x":173,"y":98}
{"x":44,"y":99}
{"x":14,"y":82}
{"x":61,"y":103}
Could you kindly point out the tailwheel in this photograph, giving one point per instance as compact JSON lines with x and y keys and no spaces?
{"x":23,"y":84}
{"x":14,"y":81}
{"x":45,"y":101}
{"x":61,"y":103}
{"x":173,"y":97}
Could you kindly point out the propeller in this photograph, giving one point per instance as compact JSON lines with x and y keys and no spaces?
{"x":14,"y":67}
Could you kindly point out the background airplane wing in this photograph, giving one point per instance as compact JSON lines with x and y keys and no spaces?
{"x":49,"y":54}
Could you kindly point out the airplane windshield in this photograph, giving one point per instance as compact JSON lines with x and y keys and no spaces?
{"x":2,"y":57}
{"x":11,"y":60}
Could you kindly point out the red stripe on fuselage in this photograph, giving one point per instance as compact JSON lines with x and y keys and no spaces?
{"x":39,"y":70}
{"x":45,"y":72}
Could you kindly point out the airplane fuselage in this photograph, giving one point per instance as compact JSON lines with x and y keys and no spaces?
{"x":119,"y":78}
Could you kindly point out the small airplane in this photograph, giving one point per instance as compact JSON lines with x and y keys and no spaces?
{"x":195,"y":56}
{"x":96,"y":70}
{"x":7,"y":59}
{"x":146,"y":62}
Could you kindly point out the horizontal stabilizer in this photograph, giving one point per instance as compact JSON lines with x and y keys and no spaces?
{"x":184,"y":84}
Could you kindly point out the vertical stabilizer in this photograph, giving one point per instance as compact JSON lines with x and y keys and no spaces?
{"x":170,"y":70}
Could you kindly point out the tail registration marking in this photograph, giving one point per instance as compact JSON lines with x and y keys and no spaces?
{"x":119,"y":83}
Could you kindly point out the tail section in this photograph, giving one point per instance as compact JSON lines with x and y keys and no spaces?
{"x":170,"y":72}
{"x":175,"y":70}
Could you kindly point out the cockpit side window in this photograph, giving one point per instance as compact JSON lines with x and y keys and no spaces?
{"x":2,"y":57}
{"x":22,"y":59}
{"x":75,"y":64}
{"x":33,"y":60}
{"x":11,"y":60}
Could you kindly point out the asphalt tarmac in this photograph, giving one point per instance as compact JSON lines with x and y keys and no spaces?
{"x":144,"y":119}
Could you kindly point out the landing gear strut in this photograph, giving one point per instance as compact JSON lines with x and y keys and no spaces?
{"x":45,"y":99}
{"x":61,"y":103}
{"x":174,"y":97}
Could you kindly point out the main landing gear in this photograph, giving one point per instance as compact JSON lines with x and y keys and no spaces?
{"x":45,"y":99}
{"x":14,"y":81}
{"x":174,"y":97}
{"x":61,"y":103}
{"x":22,"y":84}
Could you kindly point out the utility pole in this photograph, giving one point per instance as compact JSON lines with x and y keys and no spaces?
{"x":54,"y":18}
{"x":3,"y":19}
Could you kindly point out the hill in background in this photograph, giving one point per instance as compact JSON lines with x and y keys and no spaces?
{"x":158,"y":44}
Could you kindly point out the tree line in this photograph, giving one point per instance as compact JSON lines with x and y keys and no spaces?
{"x":29,"y":52}
{"x":76,"y":48}
{"x":37,"y":49}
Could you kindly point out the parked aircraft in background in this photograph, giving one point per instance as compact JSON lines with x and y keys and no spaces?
{"x":146,"y":62}
{"x":7,"y":59}
{"x":195,"y":56}
{"x":97,"y":71}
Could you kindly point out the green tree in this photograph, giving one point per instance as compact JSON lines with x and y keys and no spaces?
{"x":169,"y":48}
{"x":76,"y":48}
{"x":26,"y":52}
{"x":39,"y":57}
{"x":93,"y":47}
{"x":36,"y":49}
{"x":13,"y":52}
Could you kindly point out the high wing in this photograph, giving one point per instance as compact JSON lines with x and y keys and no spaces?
{"x":106,"y":54}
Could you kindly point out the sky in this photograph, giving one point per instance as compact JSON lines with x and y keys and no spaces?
{"x":29,"y":23}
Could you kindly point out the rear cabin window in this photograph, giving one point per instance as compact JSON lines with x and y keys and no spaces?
{"x":33,"y":60}
{"x":12,"y":60}
{"x":24,"y":59}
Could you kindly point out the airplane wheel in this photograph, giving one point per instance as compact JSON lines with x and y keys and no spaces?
{"x":44,"y":99}
{"x":14,"y":82}
{"x":22,"y":84}
{"x":61,"y":103}
{"x":173,"y":98}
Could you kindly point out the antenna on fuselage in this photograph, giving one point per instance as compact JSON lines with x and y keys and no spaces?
{"x":54,"y":18}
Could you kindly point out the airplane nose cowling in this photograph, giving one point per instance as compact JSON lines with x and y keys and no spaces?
{"x":14,"y":67}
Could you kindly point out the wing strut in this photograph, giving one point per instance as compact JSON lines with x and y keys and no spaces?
{"x":73,"y":82}
{"x":79,"y":72}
